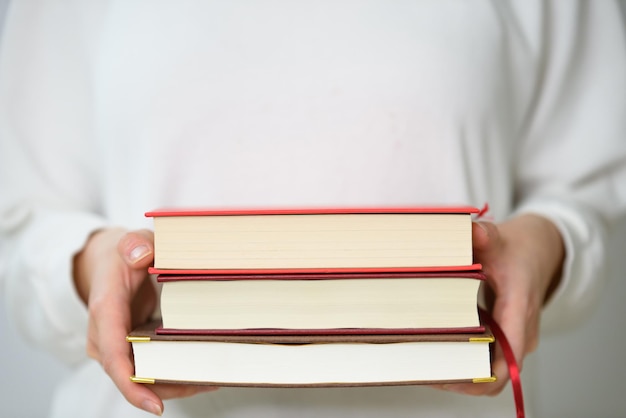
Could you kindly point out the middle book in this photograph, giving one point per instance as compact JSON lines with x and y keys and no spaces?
{"x":343,"y":303}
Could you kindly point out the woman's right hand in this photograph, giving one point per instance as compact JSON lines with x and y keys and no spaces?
{"x":111,"y":277}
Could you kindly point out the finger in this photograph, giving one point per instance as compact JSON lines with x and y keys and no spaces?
{"x":171,"y":391}
{"x":511,"y":314}
{"x":110,"y":322}
{"x":532,"y":339}
{"x":92,"y":345}
{"x":488,"y":247}
{"x":485,"y":236}
{"x":473,"y":389}
{"x":137,"y":248}
{"x":144,"y":303}
{"x":499,"y":368}
{"x":511,"y":304}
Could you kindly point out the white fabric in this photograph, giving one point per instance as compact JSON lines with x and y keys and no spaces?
{"x":112,"y":108}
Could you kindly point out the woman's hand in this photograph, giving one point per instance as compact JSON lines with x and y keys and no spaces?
{"x":110,"y":275}
{"x":522,"y":259}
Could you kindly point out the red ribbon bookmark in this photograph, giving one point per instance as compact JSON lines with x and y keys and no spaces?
{"x":514,"y":372}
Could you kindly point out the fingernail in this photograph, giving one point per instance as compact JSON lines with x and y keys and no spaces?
{"x":151,"y":407}
{"x":138,"y":253}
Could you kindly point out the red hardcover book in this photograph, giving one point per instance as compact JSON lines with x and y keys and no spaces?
{"x":309,"y":360}
{"x":321,"y":304}
{"x":313,"y":240}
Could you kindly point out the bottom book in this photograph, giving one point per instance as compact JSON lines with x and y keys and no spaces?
{"x":310,"y":361}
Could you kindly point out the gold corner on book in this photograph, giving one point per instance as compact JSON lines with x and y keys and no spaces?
{"x":145,"y":380}
{"x":482,"y":339}
{"x":484,"y":379}
{"x":131,"y":339}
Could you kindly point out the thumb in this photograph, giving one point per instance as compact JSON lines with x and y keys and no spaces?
{"x":509,"y":314}
{"x":137,"y":248}
{"x":485,"y":237}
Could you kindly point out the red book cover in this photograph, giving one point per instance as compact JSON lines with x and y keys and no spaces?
{"x":312,"y":240}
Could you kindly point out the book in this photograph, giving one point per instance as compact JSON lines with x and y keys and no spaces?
{"x":310,"y":360}
{"x":312,"y":240}
{"x":321,"y":304}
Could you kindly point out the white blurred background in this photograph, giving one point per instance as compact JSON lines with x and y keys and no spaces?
{"x":582,"y":372}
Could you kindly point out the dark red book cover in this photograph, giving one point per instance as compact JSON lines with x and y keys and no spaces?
{"x":316,"y":271}
{"x":408,"y":274}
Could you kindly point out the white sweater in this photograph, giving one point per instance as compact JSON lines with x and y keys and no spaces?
{"x":112,"y":108}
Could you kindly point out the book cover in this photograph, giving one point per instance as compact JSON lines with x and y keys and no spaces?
{"x":310,"y":360}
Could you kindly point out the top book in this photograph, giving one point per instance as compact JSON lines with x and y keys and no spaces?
{"x":313,"y":240}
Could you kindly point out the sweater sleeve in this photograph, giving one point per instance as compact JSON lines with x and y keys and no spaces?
{"x":49,"y":200}
{"x":572,"y":166}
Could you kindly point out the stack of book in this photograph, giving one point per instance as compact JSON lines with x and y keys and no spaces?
{"x":342,"y":297}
